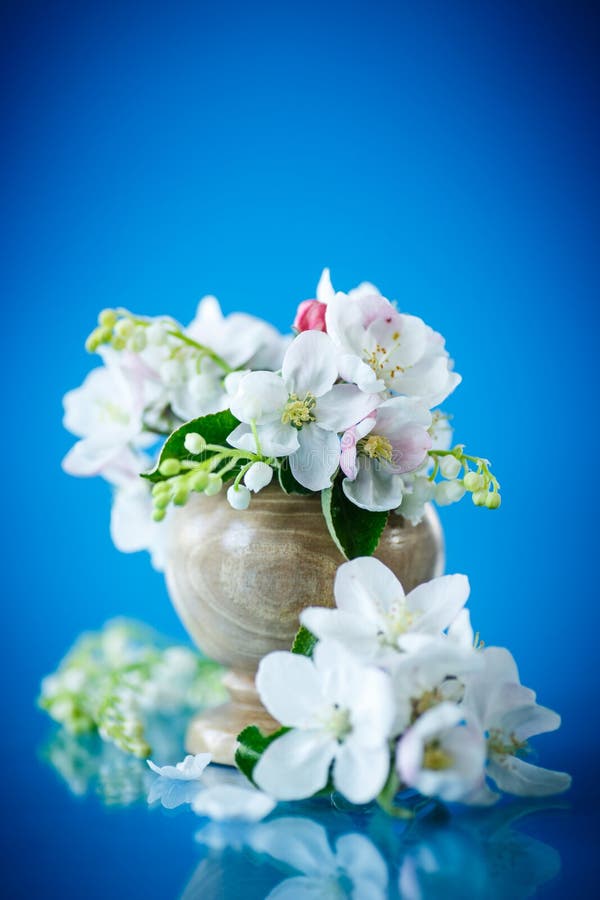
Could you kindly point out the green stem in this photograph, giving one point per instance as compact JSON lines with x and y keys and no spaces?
{"x":386,"y":798}
{"x":203,"y":349}
{"x":255,"y":434}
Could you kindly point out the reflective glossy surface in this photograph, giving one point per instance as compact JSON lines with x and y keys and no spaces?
{"x":121,"y":835}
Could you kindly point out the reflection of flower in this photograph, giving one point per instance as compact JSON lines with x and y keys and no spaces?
{"x":113,"y":679}
{"x":354,"y":868}
{"x":88,"y":765}
{"x":231,"y":802}
{"x":479,"y":856}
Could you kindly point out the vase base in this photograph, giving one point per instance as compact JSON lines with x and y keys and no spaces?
{"x":215,"y":731}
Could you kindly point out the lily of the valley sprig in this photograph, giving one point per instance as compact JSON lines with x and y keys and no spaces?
{"x":348,"y":407}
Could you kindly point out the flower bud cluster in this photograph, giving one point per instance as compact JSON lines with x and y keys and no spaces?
{"x":459,"y":478}
{"x":180,"y":482}
{"x":121,"y":330}
{"x":111,"y":680}
{"x":182,"y":478}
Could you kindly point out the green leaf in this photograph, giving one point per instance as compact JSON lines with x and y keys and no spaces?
{"x":214,"y":428}
{"x":355,"y":531}
{"x":252,"y":744}
{"x":288,"y":483}
{"x":304,"y":642}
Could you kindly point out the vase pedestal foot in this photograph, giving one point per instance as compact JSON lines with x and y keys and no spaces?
{"x":215,"y":731}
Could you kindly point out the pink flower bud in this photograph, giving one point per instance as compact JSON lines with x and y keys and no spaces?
{"x":310,"y":316}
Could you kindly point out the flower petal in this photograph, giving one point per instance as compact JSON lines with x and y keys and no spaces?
{"x":526,"y":721}
{"x":325,"y":291}
{"x":366,"y":586}
{"x":350,"y":438}
{"x":438,"y":602}
{"x":299,"y":842}
{"x":317,"y":457}
{"x":309,"y":364}
{"x":296,"y":765}
{"x":515,"y":776}
{"x":355,"y":632}
{"x":277,"y":439}
{"x":359,"y":857}
{"x":343,"y":406}
{"x":353,"y":370}
{"x":289,"y":686}
{"x":189,"y":769}
{"x":260,"y":396}
{"x":376,"y":487}
{"x":360,"y":773}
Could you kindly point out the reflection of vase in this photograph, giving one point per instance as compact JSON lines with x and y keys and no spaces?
{"x":239,"y":581}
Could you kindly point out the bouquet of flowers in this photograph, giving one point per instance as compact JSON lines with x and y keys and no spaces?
{"x":347,"y":407}
{"x":387,"y":692}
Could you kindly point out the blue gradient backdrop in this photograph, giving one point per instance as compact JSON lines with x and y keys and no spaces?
{"x":445,"y":151}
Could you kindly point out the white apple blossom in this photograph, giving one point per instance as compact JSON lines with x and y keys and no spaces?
{"x":107,"y":414}
{"x":373,"y":614}
{"x":300,"y":412}
{"x":402,"y":352}
{"x":508,"y":715}
{"x":442,"y":754}
{"x":240,"y":339}
{"x":339,"y":712}
{"x":390,"y":441}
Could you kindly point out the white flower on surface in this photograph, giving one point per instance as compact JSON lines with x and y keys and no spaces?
{"x":106,"y":413}
{"x":340,"y":712}
{"x":442,"y":755}
{"x":508,"y":715}
{"x":232,"y":803}
{"x":191,"y":768}
{"x":299,"y":413}
{"x":178,"y":784}
{"x":373,"y":613}
{"x":402,"y":353}
{"x":389,"y":442}
{"x":354,"y":868}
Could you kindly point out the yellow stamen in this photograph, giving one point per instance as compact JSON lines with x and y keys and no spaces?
{"x":299,"y":412}
{"x":376,"y":446}
{"x":436,"y":758}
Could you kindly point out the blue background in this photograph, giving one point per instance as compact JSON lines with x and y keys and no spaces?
{"x":445,"y":151}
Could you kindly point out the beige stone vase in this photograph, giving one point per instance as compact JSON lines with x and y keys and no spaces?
{"x":239,"y":581}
